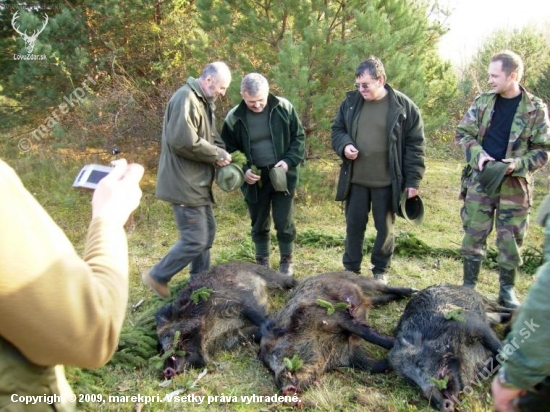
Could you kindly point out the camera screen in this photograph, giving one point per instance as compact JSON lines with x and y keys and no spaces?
{"x":90,"y":175}
{"x":96,"y":176}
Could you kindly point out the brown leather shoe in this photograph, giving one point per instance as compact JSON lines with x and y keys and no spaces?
{"x":160,"y":289}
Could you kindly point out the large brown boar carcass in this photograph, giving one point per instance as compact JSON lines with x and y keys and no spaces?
{"x":443,"y":339}
{"x":322,"y":326}
{"x":216,"y":310}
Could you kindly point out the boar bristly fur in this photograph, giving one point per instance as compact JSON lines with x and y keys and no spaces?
{"x":232,"y":307}
{"x":322,"y":326}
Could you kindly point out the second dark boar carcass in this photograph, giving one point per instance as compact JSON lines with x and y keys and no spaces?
{"x":322,"y":326}
{"x":216,"y":310}
{"x":443,"y":339}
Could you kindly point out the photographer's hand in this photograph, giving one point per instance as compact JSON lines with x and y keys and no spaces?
{"x":118,"y":194}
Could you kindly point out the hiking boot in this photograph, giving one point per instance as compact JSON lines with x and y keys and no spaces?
{"x":262,"y":261}
{"x":160,"y":289}
{"x":381,"y":277}
{"x":356,"y":271}
{"x":286,"y":266}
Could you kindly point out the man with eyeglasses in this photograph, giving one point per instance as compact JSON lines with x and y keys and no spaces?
{"x":379,"y":134}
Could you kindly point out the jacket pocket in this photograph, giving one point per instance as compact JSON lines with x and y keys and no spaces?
{"x":344,"y":182}
{"x":464,"y":181}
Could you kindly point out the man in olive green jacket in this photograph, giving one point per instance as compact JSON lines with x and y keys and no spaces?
{"x":191,"y":146}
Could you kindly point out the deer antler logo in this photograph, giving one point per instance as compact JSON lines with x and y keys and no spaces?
{"x":29,"y":40}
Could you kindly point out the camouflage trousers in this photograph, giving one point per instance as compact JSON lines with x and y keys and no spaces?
{"x":507,"y":211}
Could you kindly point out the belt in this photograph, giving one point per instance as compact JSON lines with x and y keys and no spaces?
{"x":268,"y":167}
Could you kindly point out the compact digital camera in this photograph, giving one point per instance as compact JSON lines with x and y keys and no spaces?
{"x":90,"y":175}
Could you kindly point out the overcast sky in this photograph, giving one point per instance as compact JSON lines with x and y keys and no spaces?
{"x":473,"y":20}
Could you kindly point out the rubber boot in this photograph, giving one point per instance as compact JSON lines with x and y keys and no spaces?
{"x":507,"y":295}
{"x":471,"y":273}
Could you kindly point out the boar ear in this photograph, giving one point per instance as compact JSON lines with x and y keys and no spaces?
{"x":415,"y":339}
{"x":404,"y":342}
{"x":279,"y":331}
{"x":269,"y":327}
{"x":163,"y":315}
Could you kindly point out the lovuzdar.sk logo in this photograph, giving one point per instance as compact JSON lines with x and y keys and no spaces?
{"x":30,"y":40}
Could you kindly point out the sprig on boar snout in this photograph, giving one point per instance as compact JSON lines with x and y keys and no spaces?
{"x":293,"y":364}
{"x":330,"y":307}
{"x":440,"y":384}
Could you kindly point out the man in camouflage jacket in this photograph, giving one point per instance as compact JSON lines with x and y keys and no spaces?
{"x":509,"y":125}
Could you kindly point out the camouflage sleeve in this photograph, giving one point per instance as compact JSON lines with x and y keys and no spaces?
{"x":526,"y":346}
{"x":536,"y":155}
{"x":467,"y":133}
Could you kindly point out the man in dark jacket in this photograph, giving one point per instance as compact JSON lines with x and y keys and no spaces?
{"x":191,"y":147}
{"x":379,"y":134}
{"x":268,"y":131}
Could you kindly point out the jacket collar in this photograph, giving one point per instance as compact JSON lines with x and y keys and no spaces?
{"x":526,"y":104}
{"x":355,"y":96}
{"x":197,"y":89}
{"x":356,"y":99}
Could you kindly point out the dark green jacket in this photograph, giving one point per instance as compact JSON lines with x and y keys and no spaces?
{"x":405,"y":135}
{"x":527,"y":346}
{"x":190,"y":146}
{"x":287,"y":135}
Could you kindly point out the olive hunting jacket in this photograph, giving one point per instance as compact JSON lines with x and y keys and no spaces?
{"x":189,"y":148}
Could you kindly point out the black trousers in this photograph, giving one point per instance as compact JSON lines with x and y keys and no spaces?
{"x":279,"y":205}
{"x":360,"y":202}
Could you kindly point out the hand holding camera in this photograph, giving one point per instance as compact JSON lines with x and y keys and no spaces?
{"x":118,"y":194}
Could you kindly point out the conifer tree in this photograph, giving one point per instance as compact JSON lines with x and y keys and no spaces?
{"x":309,"y":49}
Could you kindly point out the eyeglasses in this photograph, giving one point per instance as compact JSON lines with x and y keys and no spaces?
{"x":360,"y":86}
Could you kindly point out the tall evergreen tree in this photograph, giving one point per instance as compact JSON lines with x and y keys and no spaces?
{"x":309,"y":49}
{"x":529,"y":42}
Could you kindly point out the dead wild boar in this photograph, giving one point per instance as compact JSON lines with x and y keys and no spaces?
{"x":443,"y":339}
{"x":216,"y":310}
{"x":321,"y":327}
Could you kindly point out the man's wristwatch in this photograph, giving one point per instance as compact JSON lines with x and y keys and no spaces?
{"x":502,"y":379}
